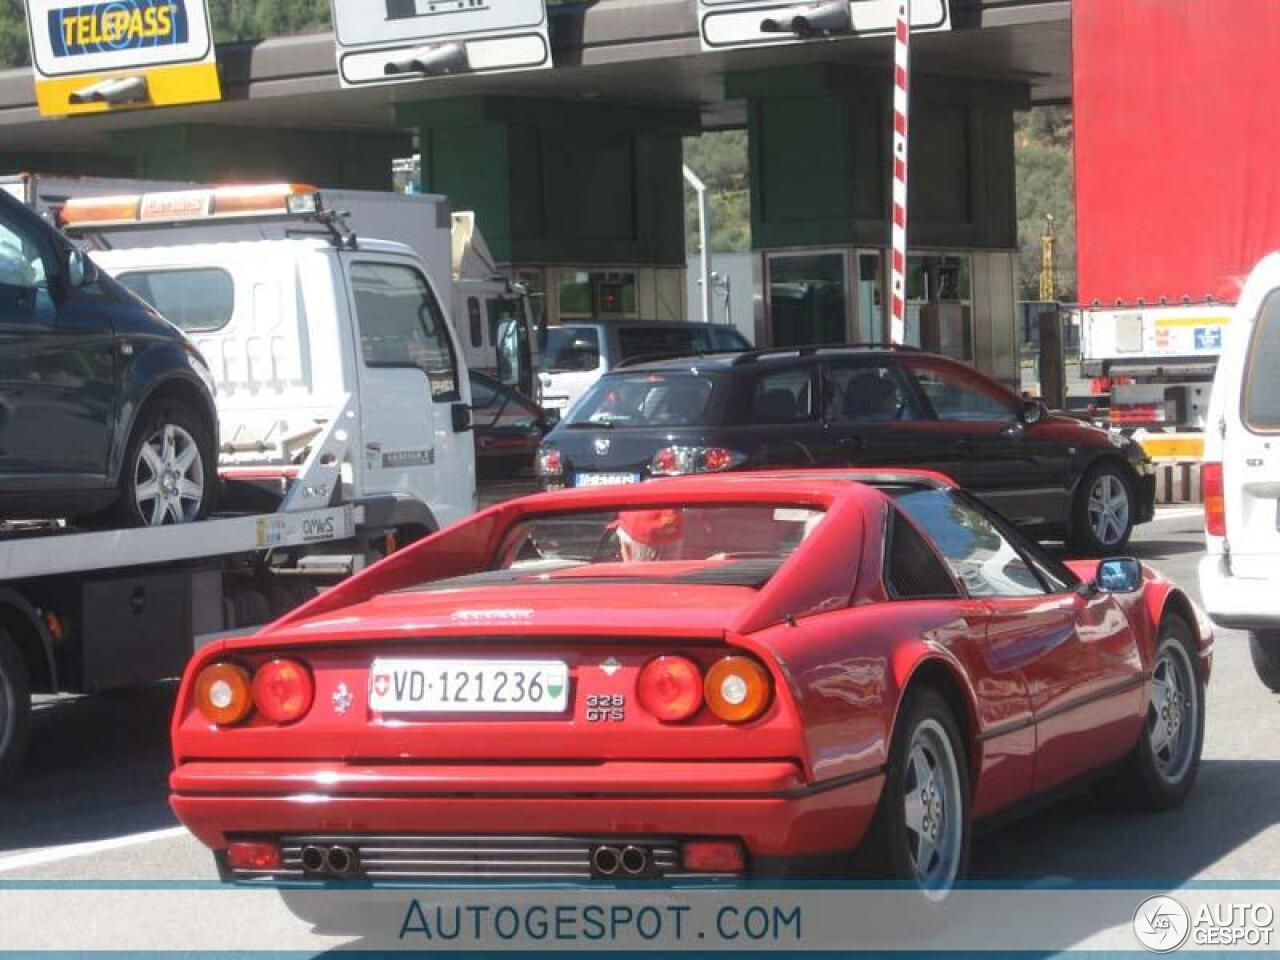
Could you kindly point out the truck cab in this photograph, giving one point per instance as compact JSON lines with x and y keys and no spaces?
{"x":298,"y":330}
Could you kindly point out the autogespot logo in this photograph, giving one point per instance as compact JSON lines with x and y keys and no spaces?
{"x":1161,"y":924}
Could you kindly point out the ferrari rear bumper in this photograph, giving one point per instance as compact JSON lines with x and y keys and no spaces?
{"x":766,"y":805}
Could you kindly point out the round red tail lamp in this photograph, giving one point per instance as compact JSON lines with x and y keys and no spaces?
{"x":670,"y":688}
{"x":283,"y":690}
{"x":223,"y":693}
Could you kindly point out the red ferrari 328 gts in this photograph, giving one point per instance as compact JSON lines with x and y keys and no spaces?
{"x":699,"y":677}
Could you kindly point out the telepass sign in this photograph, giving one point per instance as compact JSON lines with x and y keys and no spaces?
{"x":93,"y":57}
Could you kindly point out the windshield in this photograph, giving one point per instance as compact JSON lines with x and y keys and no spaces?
{"x":571,"y":349}
{"x":646,"y":400}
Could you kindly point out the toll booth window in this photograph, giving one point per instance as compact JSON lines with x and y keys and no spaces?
{"x":1261,"y":385}
{"x":197,"y":301}
{"x":401,"y":325}
{"x":940,"y":305}
{"x":597,"y":293}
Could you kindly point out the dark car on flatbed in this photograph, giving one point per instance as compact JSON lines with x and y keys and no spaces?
{"x":1052,"y":474}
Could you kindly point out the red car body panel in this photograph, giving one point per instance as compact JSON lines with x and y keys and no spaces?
{"x":1049,"y":687}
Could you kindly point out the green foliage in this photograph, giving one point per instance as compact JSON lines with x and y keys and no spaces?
{"x":1043,"y":141}
{"x":13,"y":34}
{"x":720,"y":159}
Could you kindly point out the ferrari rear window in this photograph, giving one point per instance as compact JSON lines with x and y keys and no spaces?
{"x":739,"y":545}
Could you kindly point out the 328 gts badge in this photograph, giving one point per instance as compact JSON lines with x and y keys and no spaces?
{"x":606,"y":708}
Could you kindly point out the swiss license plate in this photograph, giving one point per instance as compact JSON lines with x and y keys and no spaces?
{"x":604,"y":479}
{"x":469,"y":686}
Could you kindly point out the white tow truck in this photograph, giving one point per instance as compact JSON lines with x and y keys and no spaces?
{"x":343,"y":402}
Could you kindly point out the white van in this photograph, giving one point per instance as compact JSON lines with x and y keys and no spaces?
{"x":577,"y":353}
{"x":1240,"y":577}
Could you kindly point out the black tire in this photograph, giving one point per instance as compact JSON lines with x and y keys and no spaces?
{"x":15,"y":709}
{"x":1146,"y":780}
{"x":889,"y":851}
{"x":152,"y":421}
{"x":1264,"y":649}
{"x":1114,"y":479}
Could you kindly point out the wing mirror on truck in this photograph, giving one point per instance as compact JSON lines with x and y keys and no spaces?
{"x":461,"y":417}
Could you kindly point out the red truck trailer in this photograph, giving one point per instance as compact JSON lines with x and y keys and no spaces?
{"x":1177,"y":126}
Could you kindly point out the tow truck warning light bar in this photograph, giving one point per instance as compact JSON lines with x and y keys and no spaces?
{"x":179,"y":206}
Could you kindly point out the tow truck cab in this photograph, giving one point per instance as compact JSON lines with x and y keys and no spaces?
{"x":295,"y":329}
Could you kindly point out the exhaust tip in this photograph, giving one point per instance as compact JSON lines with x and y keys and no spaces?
{"x":606,"y":860}
{"x":342,"y":861}
{"x":313,"y":859}
{"x":635,"y":860}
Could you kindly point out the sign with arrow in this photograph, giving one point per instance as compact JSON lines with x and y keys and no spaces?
{"x":394,"y":41}
{"x":726,"y":24}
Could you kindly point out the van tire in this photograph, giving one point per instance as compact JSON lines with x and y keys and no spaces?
{"x":1264,"y":649}
{"x":15,"y":709}
{"x":153,"y":420}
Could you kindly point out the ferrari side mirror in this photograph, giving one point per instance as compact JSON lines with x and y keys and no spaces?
{"x":1119,"y":575}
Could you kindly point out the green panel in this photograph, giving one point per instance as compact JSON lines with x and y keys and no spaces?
{"x":211,"y":153}
{"x":560,"y":182}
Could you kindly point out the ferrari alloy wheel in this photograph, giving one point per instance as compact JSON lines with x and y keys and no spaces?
{"x":1162,"y":766}
{"x":920,"y":834}
{"x":932,"y":808}
{"x":15,"y":708}
{"x":1103,"y":520}
{"x":1171,"y":723}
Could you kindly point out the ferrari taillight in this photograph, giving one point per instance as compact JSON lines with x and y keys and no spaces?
{"x":670,"y":688}
{"x":1215,"y":505}
{"x":283,"y":690}
{"x":737,"y":689}
{"x":224,"y":693}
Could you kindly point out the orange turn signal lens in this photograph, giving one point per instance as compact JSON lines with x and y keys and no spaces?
{"x":283,"y":690}
{"x":737,"y":689}
{"x":224,"y":693}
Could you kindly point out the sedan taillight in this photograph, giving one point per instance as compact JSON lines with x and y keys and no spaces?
{"x":679,"y":460}
{"x":1215,"y":505}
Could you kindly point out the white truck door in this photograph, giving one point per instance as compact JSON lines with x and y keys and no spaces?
{"x":414,"y":393}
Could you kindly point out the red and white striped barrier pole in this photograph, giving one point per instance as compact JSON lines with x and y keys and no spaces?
{"x":901,"y":121}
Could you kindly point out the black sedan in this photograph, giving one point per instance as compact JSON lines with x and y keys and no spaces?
{"x":1054,"y":475}
{"x":508,"y":427}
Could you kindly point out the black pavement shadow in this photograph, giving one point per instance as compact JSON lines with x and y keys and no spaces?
{"x":98,"y":767}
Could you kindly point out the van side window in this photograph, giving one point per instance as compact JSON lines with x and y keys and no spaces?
{"x":401,"y":325}
{"x":1261,"y":402}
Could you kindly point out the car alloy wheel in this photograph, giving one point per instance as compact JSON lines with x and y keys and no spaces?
{"x":1109,"y":510}
{"x":169,"y":478}
{"x":933,"y":808}
{"x":1173,"y":713}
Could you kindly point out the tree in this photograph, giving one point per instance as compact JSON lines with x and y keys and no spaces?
{"x":720,"y":159}
{"x":13,"y":34}
{"x":1043,"y":143}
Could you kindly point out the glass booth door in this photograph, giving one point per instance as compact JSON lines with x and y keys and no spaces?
{"x":808,"y":297}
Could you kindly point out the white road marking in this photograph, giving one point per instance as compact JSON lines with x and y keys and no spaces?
{"x":37,"y":858}
{"x":1178,"y":513}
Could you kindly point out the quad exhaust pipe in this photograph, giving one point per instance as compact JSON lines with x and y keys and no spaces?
{"x":629,"y":861}
{"x":336,"y":861}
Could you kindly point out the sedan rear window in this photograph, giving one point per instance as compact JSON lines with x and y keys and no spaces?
{"x":646,"y":400}
{"x":740,"y":545}
{"x":1261,"y":401}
